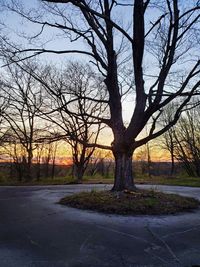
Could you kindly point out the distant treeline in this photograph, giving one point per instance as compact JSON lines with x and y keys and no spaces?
{"x":102,"y":169}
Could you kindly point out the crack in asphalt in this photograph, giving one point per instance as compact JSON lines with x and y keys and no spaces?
{"x":125,"y":234}
{"x":148,"y":250}
{"x":168,"y":248}
{"x":196,"y":227}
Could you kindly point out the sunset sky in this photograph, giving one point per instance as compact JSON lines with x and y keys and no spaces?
{"x":19,"y":27}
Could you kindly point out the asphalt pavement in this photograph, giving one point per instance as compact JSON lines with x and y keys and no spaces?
{"x":35,"y":231}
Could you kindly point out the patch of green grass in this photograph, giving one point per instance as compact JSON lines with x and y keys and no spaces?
{"x":160,"y":180}
{"x":179,"y":181}
{"x":132,"y":203}
{"x":144,"y":179}
{"x":42,"y":181}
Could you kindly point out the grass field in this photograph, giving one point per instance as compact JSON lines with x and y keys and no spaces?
{"x":179,"y":181}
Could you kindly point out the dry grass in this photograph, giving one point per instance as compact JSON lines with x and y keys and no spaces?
{"x":134,"y":203}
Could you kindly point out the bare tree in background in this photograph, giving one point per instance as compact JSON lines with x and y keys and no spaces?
{"x":168,"y":139}
{"x":160,"y":43}
{"x":25,"y":100}
{"x":187,"y":140}
{"x":4,"y":104}
{"x":45,"y":153}
{"x":101,"y":164}
{"x":183,"y":140}
{"x":143,"y":157}
{"x":71,"y":108}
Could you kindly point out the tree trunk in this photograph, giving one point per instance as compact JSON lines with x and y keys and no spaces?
{"x":29,"y":169}
{"x":123,"y":172}
{"x":38,"y":171}
{"x":78,"y":172}
{"x":26,"y":165}
{"x":53,"y":169}
{"x":172,"y":164}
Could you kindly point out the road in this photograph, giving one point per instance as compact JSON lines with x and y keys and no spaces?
{"x":35,"y":231}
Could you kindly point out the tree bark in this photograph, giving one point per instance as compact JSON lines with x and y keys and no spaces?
{"x":78,"y":172}
{"x":29,"y":167}
{"x":124,"y":178}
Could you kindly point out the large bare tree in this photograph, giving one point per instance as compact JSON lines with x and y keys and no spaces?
{"x":157,"y":40}
{"x":25,"y":100}
{"x":71,"y":109}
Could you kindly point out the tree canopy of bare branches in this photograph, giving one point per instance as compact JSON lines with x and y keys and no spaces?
{"x":70,"y":107}
{"x":24,"y":99}
{"x":157,"y":39}
{"x":183,"y":141}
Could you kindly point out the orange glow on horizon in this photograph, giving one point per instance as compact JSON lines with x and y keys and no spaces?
{"x":64,"y":161}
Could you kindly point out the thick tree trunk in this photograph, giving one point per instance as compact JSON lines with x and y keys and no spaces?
{"x":29,"y":169}
{"x":78,"y":173}
{"x":124,"y":178}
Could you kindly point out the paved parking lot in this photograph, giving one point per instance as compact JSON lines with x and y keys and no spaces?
{"x":36,"y":231}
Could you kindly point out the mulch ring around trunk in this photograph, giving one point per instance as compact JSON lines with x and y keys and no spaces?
{"x":138,"y":202}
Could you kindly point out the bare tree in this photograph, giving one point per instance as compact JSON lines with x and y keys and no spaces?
{"x":168,"y":139}
{"x":183,"y":140}
{"x":48,"y":157}
{"x":143,"y":157}
{"x":45,"y":153}
{"x":160,"y":32}
{"x":71,"y":108}
{"x":187,"y":138}
{"x":4,"y":104}
{"x":101,"y":164}
{"x":25,"y":100}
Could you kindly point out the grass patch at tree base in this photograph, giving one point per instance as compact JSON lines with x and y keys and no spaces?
{"x":139,"y":202}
